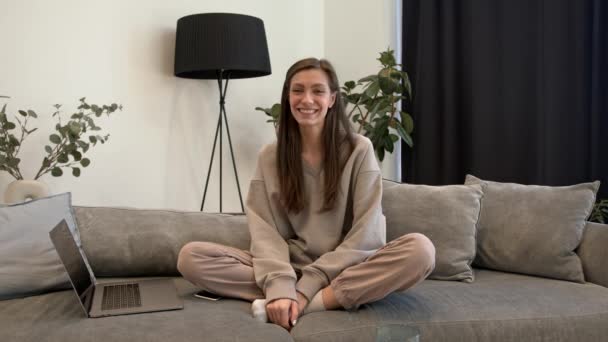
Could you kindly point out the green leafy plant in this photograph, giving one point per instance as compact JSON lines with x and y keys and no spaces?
{"x":600,"y":212}
{"x":70,"y":141}
{"x":273,"y":112}
{"x":374,"y":105}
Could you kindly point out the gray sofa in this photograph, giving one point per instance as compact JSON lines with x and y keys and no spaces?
{"x":496,"y":306}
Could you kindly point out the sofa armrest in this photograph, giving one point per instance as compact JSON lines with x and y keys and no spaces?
{"x":593,"y":252}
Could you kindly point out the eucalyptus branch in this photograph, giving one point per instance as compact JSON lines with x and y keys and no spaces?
{"x":24,"y":133}
{"x":65,"y":142}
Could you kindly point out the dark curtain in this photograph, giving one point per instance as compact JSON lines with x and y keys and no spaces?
{"x":507,"y":90}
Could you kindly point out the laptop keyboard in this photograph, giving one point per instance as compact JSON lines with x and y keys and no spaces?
{"x":120,"y":296}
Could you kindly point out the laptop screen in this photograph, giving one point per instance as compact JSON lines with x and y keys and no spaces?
{"x":72,"y":259}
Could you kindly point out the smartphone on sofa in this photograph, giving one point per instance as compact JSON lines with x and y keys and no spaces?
{"x":207,"y":295}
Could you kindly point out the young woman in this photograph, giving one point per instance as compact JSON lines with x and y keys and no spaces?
{"x":318,"y":235}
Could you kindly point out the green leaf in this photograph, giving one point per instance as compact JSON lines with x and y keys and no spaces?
{"x":85,"y":162}
{"x":55,"y":139}
{"x":388,"y":143}
{"x":56,"y":172}
{"x":353,"y":98}
{"x":387,"y":58}
{"x":76,"y":172}
{"x":9,"y":125}
{"x":32,"y":114}
{"x":48,"y":149}
{"x":369,"y":78}
{"x":407,"y":122}
{"x":46,"y":162}
{"x":407,"y":84}
{"x":350,"y":85}
{"x":388,"y":84}
{"x":275,"y":111}
{"x":380,"y":154}
{"x":74,"y":127}
{"x":23,"y":113}
{"x":393,"y":137}
{"x":265,"y":110}
{"x":13,"y":141}
{"x":372,"y":89}
{"x":405,"y":136}
{"x":64,"y":131}
{"x":83,"y":145}
{"x":63,"y":158}
{"x":93,"y":140}
{"x":77,"y":155}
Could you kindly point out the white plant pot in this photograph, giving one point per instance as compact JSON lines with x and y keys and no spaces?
{"x":19,"y":191}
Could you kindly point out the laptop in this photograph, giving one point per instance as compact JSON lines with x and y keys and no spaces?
{"x":110,"y":299}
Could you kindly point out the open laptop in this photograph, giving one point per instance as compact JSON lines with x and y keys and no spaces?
{"x":110,"y":299}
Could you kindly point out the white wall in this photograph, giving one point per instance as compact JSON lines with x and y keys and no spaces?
{"x":356,"y":31}
{"x":122,"y":51}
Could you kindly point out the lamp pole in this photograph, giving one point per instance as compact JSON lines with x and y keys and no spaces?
{"x":218,"y":131}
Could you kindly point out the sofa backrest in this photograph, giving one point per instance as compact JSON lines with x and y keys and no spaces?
{"x":121,"y":242}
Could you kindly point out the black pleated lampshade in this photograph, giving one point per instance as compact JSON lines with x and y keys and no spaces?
{"x":208,"y":42}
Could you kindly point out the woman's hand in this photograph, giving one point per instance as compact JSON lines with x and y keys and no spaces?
{"x":302,"y":303}
{"x":282,"y":312}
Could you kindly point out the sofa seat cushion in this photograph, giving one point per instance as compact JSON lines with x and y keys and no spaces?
{"x":58,"y":317}
{"x":496,"y":307}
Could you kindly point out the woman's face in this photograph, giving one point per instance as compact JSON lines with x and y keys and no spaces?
{"x":310,"y":97}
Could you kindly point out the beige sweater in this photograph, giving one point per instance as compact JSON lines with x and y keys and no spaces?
{"x":319,"y":245}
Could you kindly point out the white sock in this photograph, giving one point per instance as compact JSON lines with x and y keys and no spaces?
{"x":258,"y":308}
{"x":316,"y":304}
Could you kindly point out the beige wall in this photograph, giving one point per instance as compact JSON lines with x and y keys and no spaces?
{"x":355,"y":33}
{"x":122,"y":51}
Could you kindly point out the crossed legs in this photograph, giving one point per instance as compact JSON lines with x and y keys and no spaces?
{"x":228,"y":271}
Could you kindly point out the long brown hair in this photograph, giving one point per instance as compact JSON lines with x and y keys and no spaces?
{"x":336,"y":129}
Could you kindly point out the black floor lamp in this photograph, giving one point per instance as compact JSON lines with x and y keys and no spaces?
{"x":221,"y":46}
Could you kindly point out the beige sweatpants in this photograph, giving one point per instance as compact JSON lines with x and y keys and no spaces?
{"x":228,"y":271}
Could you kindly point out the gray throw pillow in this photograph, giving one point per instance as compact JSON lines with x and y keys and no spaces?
{"x":29,"y":263}
{"x":128,"y":242}
{"x":533,"y":229}
{"x":447,"y":215}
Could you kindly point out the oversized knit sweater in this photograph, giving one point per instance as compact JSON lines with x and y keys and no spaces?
{"x":318,"y":244}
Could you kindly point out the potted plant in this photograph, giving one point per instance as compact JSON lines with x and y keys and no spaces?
{"x":374,"y":105}
{"x":67,"y":145}
{"x":600,"y":212}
